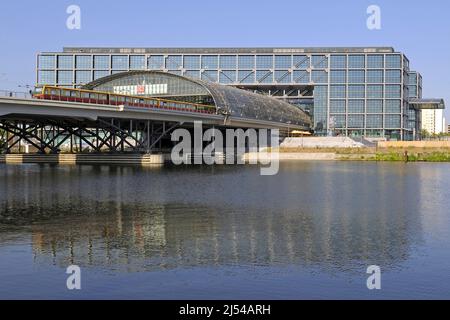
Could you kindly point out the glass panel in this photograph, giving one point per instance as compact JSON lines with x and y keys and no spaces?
{"x":137,"y":62}
{"x":374,"y":91}
{"x":83,"y":62}
{"x":356,"y":121}
{"x":375,"y":61}
{"x":393,"y":61}
{"x":47,"y":62}
{"x":337,"y":106}
{"x":173,"y":62}
{"x":156,"y":62}
{"x":301,"y":62}
{"x":209,"y":75}
{"x":264,"y":62}
{"x":393,"y":121}
{"x":228,"y":62}
{"x":393,"y":91}
{"x":356,"y":61}
{"x":195,"y":74}
{"x":338,"y":61}
{"x":264,"y":76}
{"x":192,"y":62}
{"x":356,"y":106}
{"x":301,"y":76}
{"x":101,"y":62}
{"x":338,"y":76}
{"x":374,"y":106}
{"x":320,"y":77}
{"x":120,"y":62}
{"x":246,"y":76}
{"x":227,"y":76}
{"x":83,"y":77}
{"x":65,"y":77}
{"x":337,"y":91}
{"x":46,"y":77}
{"x":283,"y":62}
{"x":356,"y":76}
{"x":283,"y":76}
{"x":374,"y":121}
{"x":246,"y":62}
{"x":375,"y":76}
{"x":100,"y":74}
{"x":319,"y":62}
{"x":356,"y":91}
{"x":65,"y":62}
{"x":393,"y":76}
{"x":210,"y":62}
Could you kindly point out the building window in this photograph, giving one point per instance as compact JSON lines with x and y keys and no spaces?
{"x":393,"y":121}
{"x":65,"y":77}
{"x":210,"y":62}
{"x":394,"y":61}
{"x":374,"y":91}
{"x":264,"y":62}
{"x":356,"y":106}
{"x":338,"y":61}
{"x":337,"y":106}
{"x":375,"y":61}
{"x":120,"y":62}
{"x":65,"y":62}
{"x":137,"y":62}
{"x":246,"y":76}
{"x":375,"y":76}
{"x":374,"y":106}
{"x":338,"y":92}
{"x":283,"y":76}
{"x":356,"y":91}
{"x":47,"y":62}
{"x":320,"y":77}
{"x":173,"y":62}
{"x":412,"y":92}
{"x":156,"y":62}
{"x":83,"y":77}
{"x":46,"y":77}
{"x":338,"y":76}
{"x":319,"y":62}
{"x":412,"y":78}
{"x":393,"y":106}
{"x":101,"y":62}
{"x":194,"y":74}
{"x":393,"y":91}
{"x":374,"y":121}
{"x":209,"y":75}
{"x":227,"y":76}
{"x":356,"y":61}
{"x":264,"y":76}
{"x":100,"y":74}
{"x":246,"y":62}
{"x":301,"y":62}
{"x":393,"y":76}
{"x":356,"y":121}
{"x":283,"y":62}
{"x":228,"y":62}
{"x":301,"y":76}
{"x":192,"y":62}
{"x":339,"y":120}
{"x":83,"y":62}
{"x":356,"y":76}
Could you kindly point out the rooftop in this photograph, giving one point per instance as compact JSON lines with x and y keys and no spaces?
{"x":230,"y":50}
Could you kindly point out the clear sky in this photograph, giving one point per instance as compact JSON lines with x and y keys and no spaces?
{"x":420,"y":29}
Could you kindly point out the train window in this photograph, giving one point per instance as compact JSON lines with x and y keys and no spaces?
{"x":102,"y":97}
{"x":121,"y":99}
{"x":94,"y":96}
{"x":65,"y":93}
{"x":74,"y":94}
{"x":85,"y":95}
{"x":55,"y":92}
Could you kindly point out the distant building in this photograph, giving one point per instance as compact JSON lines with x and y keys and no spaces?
{"x":433,"y":121}
{"x":354,"y":92}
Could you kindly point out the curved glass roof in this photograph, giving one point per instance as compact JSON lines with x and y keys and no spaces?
{"x":228,"y":100}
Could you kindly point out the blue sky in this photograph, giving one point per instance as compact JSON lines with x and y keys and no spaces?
{"x":419,"y":29}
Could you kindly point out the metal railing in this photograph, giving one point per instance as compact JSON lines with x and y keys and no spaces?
{"x":15,"y":94}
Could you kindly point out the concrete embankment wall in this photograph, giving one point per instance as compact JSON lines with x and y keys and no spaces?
{"x":310,"y":156}
{"x":134,"y":159}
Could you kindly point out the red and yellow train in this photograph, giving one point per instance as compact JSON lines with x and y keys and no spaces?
{"x":113,"y":99}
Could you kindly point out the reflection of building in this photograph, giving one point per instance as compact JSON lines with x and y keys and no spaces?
{"x":365,"y":91}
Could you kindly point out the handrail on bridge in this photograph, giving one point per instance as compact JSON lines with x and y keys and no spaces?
{"x":15,"y":94}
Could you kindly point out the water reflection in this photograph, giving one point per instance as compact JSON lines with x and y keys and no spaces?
{"x":331,"y":216}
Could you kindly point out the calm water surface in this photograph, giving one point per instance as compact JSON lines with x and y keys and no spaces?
{"x":226,"y":232}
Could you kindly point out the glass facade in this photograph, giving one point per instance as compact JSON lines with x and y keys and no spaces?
{"x":364,"y":90}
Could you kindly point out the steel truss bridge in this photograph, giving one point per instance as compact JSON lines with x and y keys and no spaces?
{"x":48,"y":126}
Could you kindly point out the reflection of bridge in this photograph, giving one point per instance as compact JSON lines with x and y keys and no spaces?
{"x":102,"y":121}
